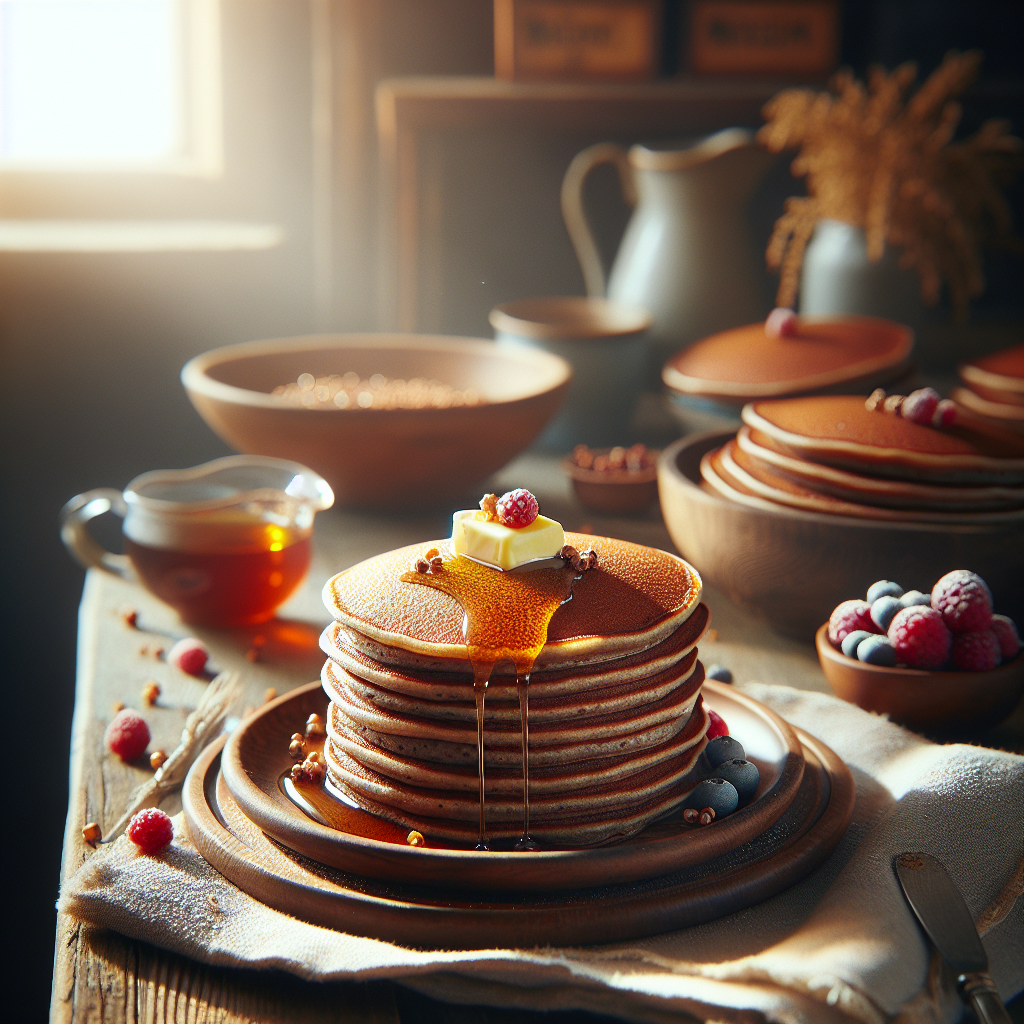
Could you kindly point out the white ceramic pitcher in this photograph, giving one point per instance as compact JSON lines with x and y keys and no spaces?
{"x":686,"y":255}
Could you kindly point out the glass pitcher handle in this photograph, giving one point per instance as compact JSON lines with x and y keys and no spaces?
{"x":81,"y":543}
{"x":575,"y":217}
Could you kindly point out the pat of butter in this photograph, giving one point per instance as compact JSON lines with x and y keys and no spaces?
{"x":502,"y":546}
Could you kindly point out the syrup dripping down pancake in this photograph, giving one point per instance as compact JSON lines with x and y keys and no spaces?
{"x":636,"y":597}
{"x":608,"y":811}
{"x":839,"y":431}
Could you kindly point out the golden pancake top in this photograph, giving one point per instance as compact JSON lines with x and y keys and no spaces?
{"x":634,"y":597}
{"x":747,"y":362}
{"x":833,"y":423}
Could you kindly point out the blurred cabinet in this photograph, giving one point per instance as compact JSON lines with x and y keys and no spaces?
{"x":470,"y":176}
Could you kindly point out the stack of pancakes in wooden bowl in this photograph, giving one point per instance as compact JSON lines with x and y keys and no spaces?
{"x":833,"y":455}
{"x":994,"y":390}
{"x":616,"y":720}
{"x":815,"y":496}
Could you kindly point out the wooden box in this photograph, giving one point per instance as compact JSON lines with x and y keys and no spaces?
{"x":577,"y":40}
{"x":763,"y":37}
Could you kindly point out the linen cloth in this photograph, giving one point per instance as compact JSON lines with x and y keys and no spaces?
{"x":841,"y":946}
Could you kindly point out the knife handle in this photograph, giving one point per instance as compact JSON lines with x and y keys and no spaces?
{"x":978,"y":990}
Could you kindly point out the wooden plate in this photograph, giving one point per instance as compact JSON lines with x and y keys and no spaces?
{"x":256,"y":757}
{"x":427,"y":917}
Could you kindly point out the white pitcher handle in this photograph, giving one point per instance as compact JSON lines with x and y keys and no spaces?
{"x":576,"y":219}
{"x":81,"y":543}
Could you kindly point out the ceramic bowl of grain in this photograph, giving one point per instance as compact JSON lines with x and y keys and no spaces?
{"x":384,"y":418}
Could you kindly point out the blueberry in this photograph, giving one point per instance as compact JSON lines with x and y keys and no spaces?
{"x":719,"y":795}
{"x":719,"y":673}
{"x":883,"y":588}
{"x":876,"y":650}
{"x":912,"y":597}
{"x":743,"y":775}
{"x":722,"y":748}
{"x":852,"y":639}
{"x":884,"y":610}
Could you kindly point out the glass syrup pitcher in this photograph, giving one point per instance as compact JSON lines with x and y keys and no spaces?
{"x":225,"y":543}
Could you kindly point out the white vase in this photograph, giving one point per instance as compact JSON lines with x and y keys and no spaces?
{"x":837,"y":278}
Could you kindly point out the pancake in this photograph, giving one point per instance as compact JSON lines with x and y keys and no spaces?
{"x":615,"y":717}
{"x":839,"y":431}
{"x":1005,"y":415}
{"x":635,"y":597}
{"x":895,"y":494}
{"x":734,"y":467}
{"x":998,"y":377}
{"x":746,"y":363}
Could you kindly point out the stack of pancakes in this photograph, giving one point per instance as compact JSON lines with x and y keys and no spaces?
{"x":831,"y":454}
{"x":616,"y":722}
{"x":995,"y":388}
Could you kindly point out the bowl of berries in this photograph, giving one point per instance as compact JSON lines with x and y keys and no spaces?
{"x":615,"y":481}
{"x":933,"y":661}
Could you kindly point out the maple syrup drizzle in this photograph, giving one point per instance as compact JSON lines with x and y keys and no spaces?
{"x":506,"y":619}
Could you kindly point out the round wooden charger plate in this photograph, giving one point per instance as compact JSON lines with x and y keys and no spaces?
{"x":432,"y":917}
{"x":256,"y":757}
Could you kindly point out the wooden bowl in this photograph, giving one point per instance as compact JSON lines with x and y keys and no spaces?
{"x":933,"y":701}
{"x":381,"y":457}
{"x":790,"y":566}
{"x":613,"y":492}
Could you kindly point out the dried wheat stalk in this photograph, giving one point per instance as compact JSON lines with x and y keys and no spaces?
{"x":877,"y":160}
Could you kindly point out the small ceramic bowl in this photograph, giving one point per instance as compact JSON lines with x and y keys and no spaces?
{"x":375,"y":457}
{"x":930,"y":701}
{"x":614,"y":492}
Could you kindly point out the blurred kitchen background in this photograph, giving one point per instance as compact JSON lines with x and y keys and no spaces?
{"x":177,"y":175}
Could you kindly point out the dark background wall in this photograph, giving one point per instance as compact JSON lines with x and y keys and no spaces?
{"x":92,"y":345}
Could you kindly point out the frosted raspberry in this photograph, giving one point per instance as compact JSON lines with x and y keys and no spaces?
{"x":920,"y":405}
{"x":189,"y":655}
{"x":716,"y":724}
{"x":127,"y":735}
{"x":946,"y":413}
{"x":847,"y":617}
{"x":963,"y":600}
{"x":920,"y":637}
{"x":977,"y":650}
{"x":517,"y":508}
{"x":1006,"y":633}
{"x":150,"y":830}
{"x":781,"y":323}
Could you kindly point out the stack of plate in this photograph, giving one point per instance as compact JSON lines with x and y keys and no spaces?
{"x":830,"y":454}
{"x":995,"y":388}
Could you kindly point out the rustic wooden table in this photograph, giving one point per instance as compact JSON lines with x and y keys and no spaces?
{"x":102,"y":976}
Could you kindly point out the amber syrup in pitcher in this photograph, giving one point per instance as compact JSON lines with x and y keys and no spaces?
{"x":226,"y":584}
{"x":506,"y":619}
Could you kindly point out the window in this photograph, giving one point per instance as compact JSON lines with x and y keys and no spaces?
{"x":108,"y":85}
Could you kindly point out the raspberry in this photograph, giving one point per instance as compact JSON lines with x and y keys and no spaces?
{"x":847,"y":617}
{"x":716,"y":725}
{"x":920,"y":405}
{"x":920,"y":637}
{"x":946,"y":413}
{"x":963,"y":600}
{"x":517,"y":508}
{"x":150,"y":830}
{"x":1006,"y":633}
{"x":977,"y":650}
{"x":781,"y":323}
{"x":127,"y":735}
{"x":189,"y":655}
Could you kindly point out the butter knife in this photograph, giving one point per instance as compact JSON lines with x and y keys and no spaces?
{"x":945,"y":918}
